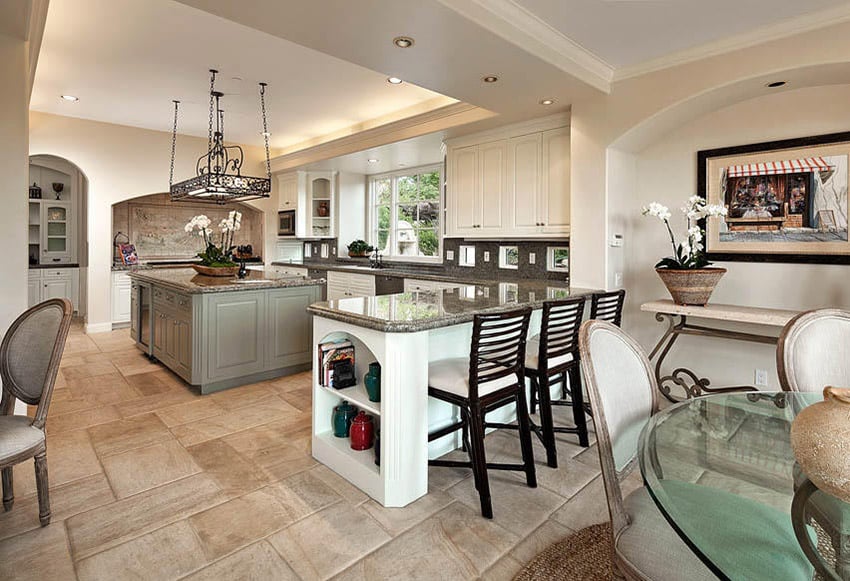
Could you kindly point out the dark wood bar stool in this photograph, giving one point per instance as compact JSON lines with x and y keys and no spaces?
{"x":608,"y":306}
{"x":552,"y":358}
{"x":490,"y":378}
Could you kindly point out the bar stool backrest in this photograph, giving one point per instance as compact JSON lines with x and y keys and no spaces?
{"x":498,"y":349}
{"x":608,"y":306}
{"x":559,"y":331}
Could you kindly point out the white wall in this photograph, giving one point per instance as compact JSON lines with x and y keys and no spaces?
{"x":14,"y":167}
{"x":351,"y":210}
{"x":120,"y":163}
{"x":666,"y":172}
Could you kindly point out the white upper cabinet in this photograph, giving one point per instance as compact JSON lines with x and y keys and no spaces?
{"x":514,"y":182}
{"x":313,"y":197}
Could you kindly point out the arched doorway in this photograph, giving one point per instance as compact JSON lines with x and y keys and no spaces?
{"x":57,"y":231}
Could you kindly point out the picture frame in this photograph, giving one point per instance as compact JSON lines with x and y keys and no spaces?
{"x":786,"y":200}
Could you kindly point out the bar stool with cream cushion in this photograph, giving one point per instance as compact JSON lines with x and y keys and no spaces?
{"x":29,"y":361}
{"x":552,"y":358}
{"x":813,"y":352}
{"x":490,"y":378}
{"x":608,"y":306}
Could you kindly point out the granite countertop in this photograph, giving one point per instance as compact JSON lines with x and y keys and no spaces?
{"x":42,"y":266}
{"x":420,"y":311}
{"x":188,"y":281}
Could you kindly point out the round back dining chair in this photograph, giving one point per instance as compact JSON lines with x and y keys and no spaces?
{"x":814,"y":351}
{"x":623,"y":395}
{"x":29,"y":361}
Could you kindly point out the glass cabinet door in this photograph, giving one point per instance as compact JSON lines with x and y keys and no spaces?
{"x":56,"y":225}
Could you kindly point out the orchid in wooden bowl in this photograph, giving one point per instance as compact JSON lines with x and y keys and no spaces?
{"x":217,"y":258}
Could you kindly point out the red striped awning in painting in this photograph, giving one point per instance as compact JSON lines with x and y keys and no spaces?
{"x":778,"y":167}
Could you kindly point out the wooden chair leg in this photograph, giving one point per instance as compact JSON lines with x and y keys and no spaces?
{"x":546,"y":423}
{"x":579,"y":416}
{"x":479,"y":460}
{"x":525,"y":439}
{"x":42,"y":488}
{"x":534,"y":387}
{"x":8,"y":489}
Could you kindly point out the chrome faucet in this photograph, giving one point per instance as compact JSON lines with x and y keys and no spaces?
{"x":376,"y":260}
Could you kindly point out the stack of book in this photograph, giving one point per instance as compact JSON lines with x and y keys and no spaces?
{"x":329,"y":354}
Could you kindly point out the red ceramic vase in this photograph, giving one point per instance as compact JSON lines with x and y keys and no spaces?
{"x":362,"y":432}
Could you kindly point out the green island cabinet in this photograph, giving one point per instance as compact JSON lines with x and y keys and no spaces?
{"x":217,"y":340}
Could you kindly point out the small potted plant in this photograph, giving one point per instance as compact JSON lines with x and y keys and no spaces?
{"x":687,"y":274}
{"x":217,"y":259}
{"x":359,"y":249}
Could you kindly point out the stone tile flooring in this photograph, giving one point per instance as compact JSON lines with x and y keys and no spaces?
{"x":149,"y":480}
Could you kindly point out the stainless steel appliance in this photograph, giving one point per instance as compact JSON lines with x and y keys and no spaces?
{"x":286,"y":223}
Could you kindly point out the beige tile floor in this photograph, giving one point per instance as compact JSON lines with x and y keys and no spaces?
{"x":149,"y":480}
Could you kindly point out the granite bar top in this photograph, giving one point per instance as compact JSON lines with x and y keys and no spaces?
{"x":186,"y":280}
{"x":405,"y":272}
{"x":421,"y":311}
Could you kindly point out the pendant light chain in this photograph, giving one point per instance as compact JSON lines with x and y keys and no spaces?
{"x":212,"y":112}
{"x":265,"y":129}
{"x":173,"y":146}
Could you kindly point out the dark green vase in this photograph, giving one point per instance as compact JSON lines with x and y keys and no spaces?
{"x":373,"y":382}
{"x":341,"y":419}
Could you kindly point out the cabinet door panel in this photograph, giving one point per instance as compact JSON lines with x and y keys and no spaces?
{"x":525,"y":183}
{"x":56,"y":289}
{"x":33,"y":292}
{"x":493,"y":182}
{"x":465,"y":196}
{"x":183,"y":336}
{"x":555,"y":187}
{"x":236,"y":328}
{"x":158,"y":333}
{"x":290,"y":329}
{"x":172,"y":344}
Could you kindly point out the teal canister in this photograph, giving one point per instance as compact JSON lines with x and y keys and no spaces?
{"x":341,"y":419}
{"x":372,"y":379}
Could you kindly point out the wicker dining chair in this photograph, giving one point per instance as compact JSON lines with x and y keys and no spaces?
{"x":29,"y":361}
{"x":813,"y":352}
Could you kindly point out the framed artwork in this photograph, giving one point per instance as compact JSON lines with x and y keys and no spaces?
{"x":787,"y":200}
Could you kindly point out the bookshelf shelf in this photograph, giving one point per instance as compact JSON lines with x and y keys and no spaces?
{"x":357,"y":395}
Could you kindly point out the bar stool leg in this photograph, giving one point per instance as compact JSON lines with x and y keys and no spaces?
{"x":525,"y":439}
{"x":479,"y":459}
{"x":546,"y":423}
{"x":579,"y":416}
{"x":534,"y":387}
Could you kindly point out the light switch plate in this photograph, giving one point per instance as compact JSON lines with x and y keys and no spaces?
{"x":532,"y":258}
{"x":486,"y":256}
{"x":450,"y":254}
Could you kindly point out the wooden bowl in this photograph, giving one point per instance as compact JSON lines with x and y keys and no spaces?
{"x":216,"y":270}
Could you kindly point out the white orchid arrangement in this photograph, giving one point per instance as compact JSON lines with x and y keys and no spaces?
{"x":216,"y":254}
{"x":689,"y":254}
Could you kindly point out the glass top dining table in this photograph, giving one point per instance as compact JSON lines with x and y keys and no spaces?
{"x":734,"y":450}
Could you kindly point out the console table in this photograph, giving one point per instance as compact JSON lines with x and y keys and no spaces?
{"x":676,"y":317}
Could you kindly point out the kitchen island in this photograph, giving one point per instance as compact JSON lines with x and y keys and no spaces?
{"x":221,"y":332}
{"x":404,"y":332}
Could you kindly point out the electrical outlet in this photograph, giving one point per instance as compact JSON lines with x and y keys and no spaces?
{"x":761,"y":377}
{"x":486,"y":256}
{"x":450,"y":254}
{"x":618,"y":279}
{"x":532,"y":258}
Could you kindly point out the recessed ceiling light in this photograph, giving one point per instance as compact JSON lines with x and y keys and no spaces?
{"x":372,"y":160}
{"x":71,"y":98}
{"x":394,"y":81}
{"x":776,"y":84}
{"x":403,"y":41}
{"x":402,"y":164}
{"x":490,"y":79}
{"x":547,"y":101}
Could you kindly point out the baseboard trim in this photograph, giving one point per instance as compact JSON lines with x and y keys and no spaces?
{"x":92,"y":328}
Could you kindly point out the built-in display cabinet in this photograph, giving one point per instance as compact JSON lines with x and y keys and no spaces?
{"x":53,"y":283}
{"x":313,"y":197}
{"x":513,"y":182}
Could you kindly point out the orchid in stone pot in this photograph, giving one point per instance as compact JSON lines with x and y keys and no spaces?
{"x":687,"y":274}
{"x":217,"y":258}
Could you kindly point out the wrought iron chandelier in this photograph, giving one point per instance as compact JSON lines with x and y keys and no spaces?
{"x":219,"y":176}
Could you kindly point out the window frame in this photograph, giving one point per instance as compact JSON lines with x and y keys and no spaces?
{"x":394,"y":204}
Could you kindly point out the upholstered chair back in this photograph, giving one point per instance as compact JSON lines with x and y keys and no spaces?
{"x":814,"y":351}
{"x":623,"y":395}
{"x":30,"y":355}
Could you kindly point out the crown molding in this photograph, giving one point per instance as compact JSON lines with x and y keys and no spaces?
{"x":445,"y":117}
{"x":779,"y":30}
{"x":522,"y":28}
